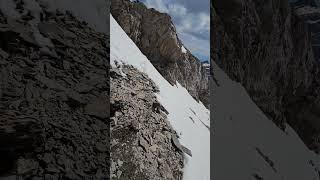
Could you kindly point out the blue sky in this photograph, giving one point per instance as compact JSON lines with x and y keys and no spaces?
{"x":192,"y":21}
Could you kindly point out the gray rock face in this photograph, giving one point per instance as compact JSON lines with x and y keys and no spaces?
{"x":54,"y":91}
{"x":310,"y":13}
{"x":142,"y":144}
{"x":267,"y":47}
{"x":155,"y":35}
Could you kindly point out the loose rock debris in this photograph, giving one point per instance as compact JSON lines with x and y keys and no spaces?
{"x":141,"y":135}
{"x":54,"y":91}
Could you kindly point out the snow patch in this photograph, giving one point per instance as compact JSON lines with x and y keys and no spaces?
{"x":205,"y":64}
{"x":183,"y":49}
{"x":195,"y":134}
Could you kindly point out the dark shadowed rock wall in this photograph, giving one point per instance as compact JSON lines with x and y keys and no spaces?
{"x":267,"y":47}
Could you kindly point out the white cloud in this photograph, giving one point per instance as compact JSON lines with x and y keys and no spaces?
{"x":159,"y":5}
{"x":195,"y":23}
{"x":196,"y":45}
{"x":177,"y":10}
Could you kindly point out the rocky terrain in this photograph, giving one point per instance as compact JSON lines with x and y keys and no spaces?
{"x":155,"y":35}
{"x":309,"y":12}
{"x":54,"y":91}
{"x":143,"y":143}
{"x":144,"y":106}
{"x":267,"y":47}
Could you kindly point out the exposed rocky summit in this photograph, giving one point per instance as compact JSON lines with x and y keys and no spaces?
{"x":154,"y":33}
{"x":54,"y":97}
{"x":267,"y":47}
{"x":143,"y":143}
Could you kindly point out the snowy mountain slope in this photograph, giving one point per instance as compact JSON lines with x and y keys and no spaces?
{"x":155,"y":35}
{"x":189,"y":118}
{"x":248,"y":145}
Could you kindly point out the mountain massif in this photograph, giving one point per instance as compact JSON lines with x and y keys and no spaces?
{"x":62,"y":118}
{"x":158,"y":130}
{"x":156,"y":36}
{"x":265,"y":90}
{"x":268,"y":47}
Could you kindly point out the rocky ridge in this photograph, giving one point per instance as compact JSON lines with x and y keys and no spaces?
{"x":155,"y":35}
{"x":54,"y":91}
{"x":143,"y":143}
{"x":267,"y":47}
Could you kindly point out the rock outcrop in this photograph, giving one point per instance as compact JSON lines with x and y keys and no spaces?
{"x":267,"y":47}
{"x":54,"y":97}
{"x":143,"y":143}
{"x":154,"y":33}
{"x":309,"y":12}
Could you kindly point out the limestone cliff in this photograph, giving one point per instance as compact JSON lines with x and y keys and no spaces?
{"x":154,"y":33}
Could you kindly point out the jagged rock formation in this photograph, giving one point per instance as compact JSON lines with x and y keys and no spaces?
{"x":309,"y":12}
{"x":155,"y":35}
{"x":54,"y":89}
{"x":300,"y":3}
{"x":266,"y":46}
{"x":143,"y":143}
